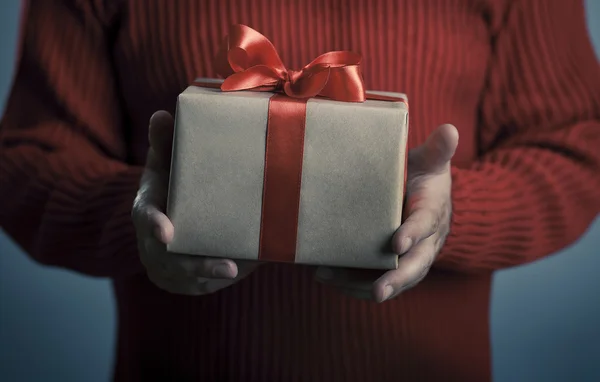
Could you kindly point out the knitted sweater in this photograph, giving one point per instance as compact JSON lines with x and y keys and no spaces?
{"x":517,"y":77}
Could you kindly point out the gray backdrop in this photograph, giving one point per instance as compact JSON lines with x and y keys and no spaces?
{"x":59,"y":326}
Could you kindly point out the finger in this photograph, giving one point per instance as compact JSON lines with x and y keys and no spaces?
{"x":195,"y":286}
{"x":412,"y":268}
{"x":152,"y":194}
{"x":188,"y":285}
{"x":160,"y":135}
{"x":202,"y":267}
{"x":435,"y":154}
{"x":153,"y":221}
{"x":421,"y":223}
{"x":157,"y":259}
{"x":244,"y":269}
{"x":161,"y":225}
{"x":152,"y":254}
{"x":185,"y":284}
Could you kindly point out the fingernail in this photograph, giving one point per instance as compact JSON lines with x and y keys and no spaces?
{"x":324,"y":273}
{"x":222,"y":271}
{"x":387,"y":292}
{"x":405,"y":245}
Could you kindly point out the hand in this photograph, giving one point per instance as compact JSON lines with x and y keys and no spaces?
{"x":428,"y":209}
{"x":173,"y":272}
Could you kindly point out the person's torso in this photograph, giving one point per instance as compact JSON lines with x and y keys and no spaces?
{"x":436,"y":52}
{"x":278,"y":324}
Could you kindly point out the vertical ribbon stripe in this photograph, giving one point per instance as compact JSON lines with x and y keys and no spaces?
{"x":282,"y":178}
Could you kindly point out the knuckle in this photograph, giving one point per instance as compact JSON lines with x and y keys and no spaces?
{"x":447,"y":208}
{"x":417,"y":273}
{"x":422,"y":224}
{"x":433,"y":221}
{"x":434,"y":227}
{"x":422,"y":273}
{"x":440,"y":239}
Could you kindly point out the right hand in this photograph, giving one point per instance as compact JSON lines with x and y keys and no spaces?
{"x":173,"y":272}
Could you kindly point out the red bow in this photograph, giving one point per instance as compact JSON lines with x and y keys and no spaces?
{"x":249,"y":61}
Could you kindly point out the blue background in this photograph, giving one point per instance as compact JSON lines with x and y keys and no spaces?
{"x":59,"y":326}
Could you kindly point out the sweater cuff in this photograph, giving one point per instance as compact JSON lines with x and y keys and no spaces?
{"x":98,"y":238}
{"x":483,"y":229}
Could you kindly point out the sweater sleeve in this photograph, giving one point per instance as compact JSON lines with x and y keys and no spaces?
{"x":534,"y":189}
{"x":66,"y":190}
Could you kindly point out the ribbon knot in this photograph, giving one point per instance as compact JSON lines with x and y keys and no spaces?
{"x":292,"y":76}
{"x":249,"y":61}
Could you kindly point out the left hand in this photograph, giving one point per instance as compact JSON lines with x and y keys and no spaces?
{"x":428,"y":209}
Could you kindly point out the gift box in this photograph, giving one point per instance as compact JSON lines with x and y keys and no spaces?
{"x":260,"y":173}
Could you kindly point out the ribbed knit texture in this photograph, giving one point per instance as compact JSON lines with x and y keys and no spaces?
{"x":518,"y":78}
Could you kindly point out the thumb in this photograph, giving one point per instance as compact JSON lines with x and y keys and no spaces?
{"x":160,"y":136}
{"x":434,"y":155}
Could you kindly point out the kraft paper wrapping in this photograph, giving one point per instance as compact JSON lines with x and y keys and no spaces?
{"x":352,"y":178}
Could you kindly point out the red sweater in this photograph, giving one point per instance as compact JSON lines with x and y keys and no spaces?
{"x":517,"y":77}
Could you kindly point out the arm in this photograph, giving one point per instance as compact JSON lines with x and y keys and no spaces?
{"x":65,"y":189}
{"x":536,"y":187}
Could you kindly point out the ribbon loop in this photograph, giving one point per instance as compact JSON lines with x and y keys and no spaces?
{"x":249,"y":61}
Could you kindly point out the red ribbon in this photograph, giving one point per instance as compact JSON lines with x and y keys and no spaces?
{"x":249,"y":61}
